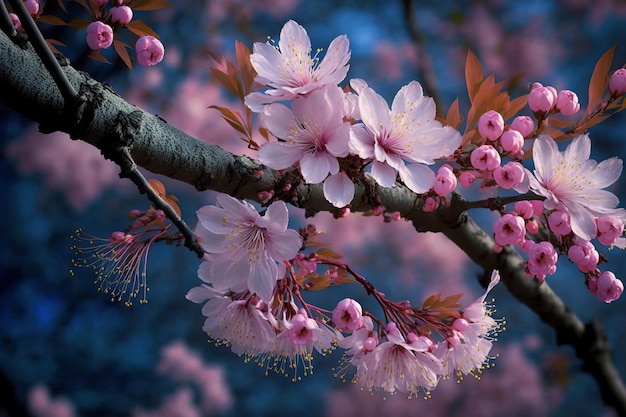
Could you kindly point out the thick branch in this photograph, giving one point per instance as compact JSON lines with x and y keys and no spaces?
{"x":27,"y":88}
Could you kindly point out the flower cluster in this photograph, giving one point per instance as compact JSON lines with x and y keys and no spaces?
{"x":254,"y":279}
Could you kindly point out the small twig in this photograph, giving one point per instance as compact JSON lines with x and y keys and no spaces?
{"x":50,"y":62}
{"x":129,"y":170}
{"x":6,"y":25}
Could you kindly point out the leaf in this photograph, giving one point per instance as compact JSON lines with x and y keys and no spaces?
{"x":233,"y":118}
{"x":227,"y":81}
{"x":157,"y":186}
{"x":139,"y":28}
{"x":62,"y":5}
{"x":79,"y":24}
{"x":599,"y":79}
{"x":453,"y":116}
{"x":51,"y":20}
{"x":473,"y":74}
{"x":146,"y":5}
{"x":246,"y":69}
{"x":97,"y":56}
{"x":52,"y":42}
{"x":120,"y":48}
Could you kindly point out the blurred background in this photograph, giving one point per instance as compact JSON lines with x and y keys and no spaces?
{"x":66,"y":350}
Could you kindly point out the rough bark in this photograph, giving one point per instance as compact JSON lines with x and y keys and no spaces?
{"x":107,"y":121}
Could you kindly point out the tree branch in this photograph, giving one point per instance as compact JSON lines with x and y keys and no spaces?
{"x":162,"y":149}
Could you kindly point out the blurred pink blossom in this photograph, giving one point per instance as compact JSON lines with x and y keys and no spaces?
{"x":41,"y":404}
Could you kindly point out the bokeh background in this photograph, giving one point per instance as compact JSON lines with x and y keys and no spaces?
{"x":66,"y":350}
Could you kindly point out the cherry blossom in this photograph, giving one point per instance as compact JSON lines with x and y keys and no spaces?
{"x":491,"y":125}
{"x":314,"y":134}
{"x":246,"y":245}
{"x":571,"y":179}
{"x":149,"y":51}
{"x":609,"y":288}
{"x":99,"y":35}
{"x":408,"y":132}
{"x":617,"y":82}
{"x":290,"y":69}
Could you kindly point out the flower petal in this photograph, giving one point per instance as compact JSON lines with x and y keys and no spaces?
{"x":339,"y":189}
{"x":384,"y":174}
{"x":417,"y":177}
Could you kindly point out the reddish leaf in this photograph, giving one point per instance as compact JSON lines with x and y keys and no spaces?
{"x":227,"y":81}
{"x":157,"y":186}
{"x":245,"y":66}
{"x":233,"y":118}
{"x":150,"y":5}
{"x":97,"y":56}
{"x":51,"y":20}
{"x":139,"y":28}
{"x":62,"y":5}
{"x":120,"y":48}
{"x":473,"y":74}
{"x":453,"y":117}
{"x":599,"y":79}
{"x":79,"y":24}
{"x":515,"y":106}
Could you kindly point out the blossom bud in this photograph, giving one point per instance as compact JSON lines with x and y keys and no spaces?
{"x":509,"y":175}
{"x":491,"y":125}
{"x":348,"y":315}
{"x":610,"y":228}
{"x":542,"y":259}
{"x":445,"y":180}
{"x":32,"y":6}
{"x":301,"y":330}
{"x":15,"y":20}
{"x":609,"y":288}
{"x":617,"y":82}
{"x":541,"y":99}
{"x":485,"y":157}
{"x":567,"y":102}
{"x":430,"y":204}
{"x":509,"y":230}
{"x":559,"y":222}
{"x":523,"y":124}
{"x":532,"y":227}
{"x":460,"y":325}
{"x":467,"y":178}
{"x":512,"y":141}
{"x":121,"y":14}
{"x":584,"y":255}
{"x":537,"y":207}
{"x":149,"y":50}
{"x":524,"y":208}
{"x":99,"y":35}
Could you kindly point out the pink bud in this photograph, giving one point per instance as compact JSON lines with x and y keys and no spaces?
{"x":584,"y":255}
{"x":149,"y":50}
{"x":301,"y":330}
{"x":509,"y":230}
{"x":430,"y":204}
{"x":121,"y":14}
{"x":567,"y":102}
{"x":532,"y":227}
{"x":116,"y":237}
{"x":135,"y":214}
{"x":542,"y":259}
{"x":541,"y":99}
{"x":491,"y":125}
{"x":524,"y":208}
{"x":467,"y":178}
{"x":15,"y":20}
{"x":99,"y":35}
{"x":610,"y":228}
{"x":32,"y":6}
{"x":445,"y":180}
{"x":523,"y":124}
{"x":512,"y":141}
{"x":460,"y":325}
{"x":609,"y":288}
{"x":370,"y":344}
{"x":617,"y":82}
{"x":348,"y":315}
{"x":559,"y":222}
{"x":537,"y":207}
{"x":509,"y":175}
{"x":485,"y":157}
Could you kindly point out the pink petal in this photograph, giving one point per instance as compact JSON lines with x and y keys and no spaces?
{"x":384,"y":174}
{"x":278,"y":155}
{"x":334,"y":66}
{"x":294,"y":42}
{"x":417,"y":177}
{"x":278,"y":119}
{"x":339,"y":189}
{"x":278,"y":214}
{"x":285,"y":246}
{"x":374,"y":112}
{"x":316,"y":166}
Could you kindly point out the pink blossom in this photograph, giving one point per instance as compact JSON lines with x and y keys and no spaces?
{"x":523,"y":124}
{"x":559,"y":222}
{"x":573,"y":180}
{"x":247,"y":246}
{"x":99,"y":35}
{"x":542,"y":99}
{"x":467,"y":178}
{"x":150,"y":51}
{"x":408,"y":132}
{"x":121,"y":15}
{"x":314,"y":134}
{"x":609,"y":288}
{"x":290,"y":69}
{"x":567,"y":102}
{"x":510,"y":175}
{"x":430,"y":204}
{"x":32,"y":6}
{"x":491,"y":125}
{"x":485,"y":158}
{"x":617,"y":82}
{"x":348,"y":315}
{"x":512,"y":141}
{"x":15,"y":20}
{"x":532,"y":227}
{"x":542,"y":258}
{"x":301,"y":329}
{"x":524,"y":208}
{"x":509,"y":230}
{"x":610,"y":228}
{"x":445,"y":180}
{"x":584,"y":255}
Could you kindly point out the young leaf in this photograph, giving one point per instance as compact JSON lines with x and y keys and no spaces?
{"x":599,"y":79}
{"x":51,"y":20}
{"x":139,"y":28}
{"x":150,"y":5}
{"x":120,"y":48}
{"x":453,"y":117}
{"x":473,"y":74}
